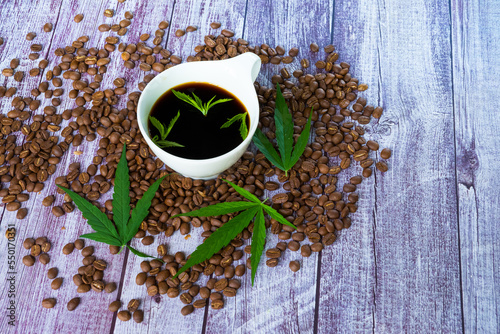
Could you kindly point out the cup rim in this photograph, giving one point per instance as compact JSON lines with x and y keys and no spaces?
{"x":146,"y":135}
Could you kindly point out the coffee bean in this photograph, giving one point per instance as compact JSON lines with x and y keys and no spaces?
{"x":100,"y":265}
{"x":109,"y":12}
{"x":294,"y":266}
{"x":314,"y":47}
{"x":382,"y":166}
{"x":215,"y":25}
{"x":115,"y":306}
{"x":78,"y":18}
{"x":385,"y":153}
{"x":56,"y":283}
{"x":87,"y":251}
{"x":30,"y":36}
{"x":22,"y":213}
{"x":138,"y":316}
{"x":28,"y":243}
{"x":28,"y":260}
{"x":73,"y":304}
{"x":305,"y":251}
{"x":44,"y":258}
{"x":133,"y":304}
{"x":57,"y":211}
{"x":79,"y":244}
{"x":217,"y":304}
{"x":180,"y":33}
{"x":49,"y":302}
{"x":47,"y":27}
{"x":124,"y":315}
{"x":110,"y":287}
{"x":273,"y":253}
{"x":188,"y":309}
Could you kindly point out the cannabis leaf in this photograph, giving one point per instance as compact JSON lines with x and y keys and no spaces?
{"x":126,"y":225}
{"x":164,"y":132}
{"x":196,"y":102}
{"x":243,"y":126}
{"x":227,"y":232}
{"x":288,"y":155}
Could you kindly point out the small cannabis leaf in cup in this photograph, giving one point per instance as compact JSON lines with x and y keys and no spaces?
{"x":126,"y":224}
{"x":243,"y":126}
{"x":252,"y":210}
{"x":161,"y":141}
{"x":196,"y":102}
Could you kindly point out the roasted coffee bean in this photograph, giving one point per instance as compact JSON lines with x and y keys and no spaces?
{"x":305,"y":250}
{"x":188,"y":309}
{"x":138,"y":316}
{"x":133,"y":304}
{"x":52,"y":273}
{"x":215,"y":25}
{"x":73,"y":304}
{"x":110,"y":287}
{"x":28,"y":260}
{"x":217,"y":304}
{"x":79,"y":244}
{"x":294,"y":266}
{"x":180,"y":32}
{"x":47,"y":27}
{"x":87,"y":251}
{"x":124,"y":315}
{"x":22,"y":213}
{"x":186,"y":298}
{"x":115,"y":306}
{"x":28,"y":243}
{"x":56,"y":283}
{"x":78,"y":18}
{"x":57,"y":211}
{"x":385,"y":153}
{"x":382,"y":166}
{"x":49,"y":302}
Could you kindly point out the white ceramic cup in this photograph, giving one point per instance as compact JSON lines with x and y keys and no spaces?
{"x":235,"y":75}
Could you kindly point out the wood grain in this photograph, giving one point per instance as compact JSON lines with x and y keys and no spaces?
{"x":409,"y":282}
{"x":420,"y":255}
{"x":280,"y":301}
{"x":476,"y":73}
{"x":33,"y":284}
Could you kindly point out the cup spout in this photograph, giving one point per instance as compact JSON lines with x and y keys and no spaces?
{"x":248,"y":61}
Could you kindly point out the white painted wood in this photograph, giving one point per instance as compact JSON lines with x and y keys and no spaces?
{"x":476,"y":70}
{"x":397,"y":270}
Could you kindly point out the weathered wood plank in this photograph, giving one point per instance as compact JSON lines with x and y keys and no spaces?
{"x":161,"y":314}
{"x":164,"y":313}
{"x":280,"y":301}
{"x":409,"y":281}
{"x":476,"y":71}
{"x":33,"y":284}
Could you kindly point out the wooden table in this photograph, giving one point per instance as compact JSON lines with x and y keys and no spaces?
{"x":420,"y":255}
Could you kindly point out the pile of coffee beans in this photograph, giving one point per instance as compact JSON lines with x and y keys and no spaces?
{"x":39,"y":248}
{"x":309,"y":195}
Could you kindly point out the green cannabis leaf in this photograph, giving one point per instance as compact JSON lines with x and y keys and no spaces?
{"x":196,"y":102}
{"x":227,"y":232}
{"x":126,"y":225}
{"x":164,"y":132}
{"x":243,"y":126}
{"x":288,"y":155}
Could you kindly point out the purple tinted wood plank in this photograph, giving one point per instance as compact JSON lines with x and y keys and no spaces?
{"x":161,"y":314}
{"x":476,"y":72}
{"x":397,"y":270}
{"x":280,"y":301}
{"x":91,"y":315}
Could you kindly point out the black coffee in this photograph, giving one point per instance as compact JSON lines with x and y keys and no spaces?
{"x":201,"y":136}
